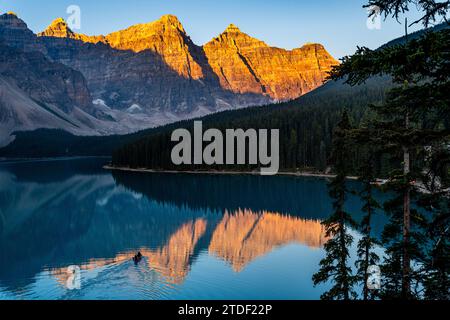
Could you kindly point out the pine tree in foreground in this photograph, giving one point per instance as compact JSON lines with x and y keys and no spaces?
{"x":335,"y":266}
{"x":413,"y":118}
{"x":436,"y":200}
{"x":366,"y":245}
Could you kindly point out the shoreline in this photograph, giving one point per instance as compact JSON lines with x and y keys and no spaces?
{"x":253,"y":173}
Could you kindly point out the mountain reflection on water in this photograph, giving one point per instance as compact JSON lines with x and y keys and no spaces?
{"x":201,"y":236}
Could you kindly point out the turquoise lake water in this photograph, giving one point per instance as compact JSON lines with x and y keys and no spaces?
{"x":69,"y":230}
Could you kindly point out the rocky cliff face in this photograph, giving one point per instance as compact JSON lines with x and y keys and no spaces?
{"x":232,"y":70}
{"x":245,"y":64}
{"x":59,"y":29}
{"x":38,"y":93}
{"x":165,"y":37}
{"x":152,"y":74}
{"x":43,"y":80}
{"x":155,"y":66}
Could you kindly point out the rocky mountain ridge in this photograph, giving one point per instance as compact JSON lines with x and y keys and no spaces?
{"x":241,"y":63}
{"x":153,"y":73}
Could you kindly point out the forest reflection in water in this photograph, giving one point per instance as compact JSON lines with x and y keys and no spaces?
{"x":189,"y":228}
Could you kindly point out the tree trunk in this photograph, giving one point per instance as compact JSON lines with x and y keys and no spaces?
{"x":406,"y":281}
{"x":367,"y":253}
{"x":343,"y":258}
{"x":366,"y":275}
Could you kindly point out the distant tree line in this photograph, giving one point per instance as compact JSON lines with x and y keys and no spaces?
{"x":306,"y":129}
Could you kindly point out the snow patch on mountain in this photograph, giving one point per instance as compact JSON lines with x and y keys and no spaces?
{"x":135,"y":108}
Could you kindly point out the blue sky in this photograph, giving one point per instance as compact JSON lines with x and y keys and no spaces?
{"x":338,"y":24}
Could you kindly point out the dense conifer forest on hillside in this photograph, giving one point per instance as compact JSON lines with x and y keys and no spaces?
{"x":305,"y":124}
{"x":306,"y":128}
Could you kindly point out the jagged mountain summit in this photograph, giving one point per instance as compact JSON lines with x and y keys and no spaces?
{"x":59,"y":29}
{"x":153,"y":73}
{"x":240,"y":63}
{"x":245,"y":64}
{"x":15,"y":33}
